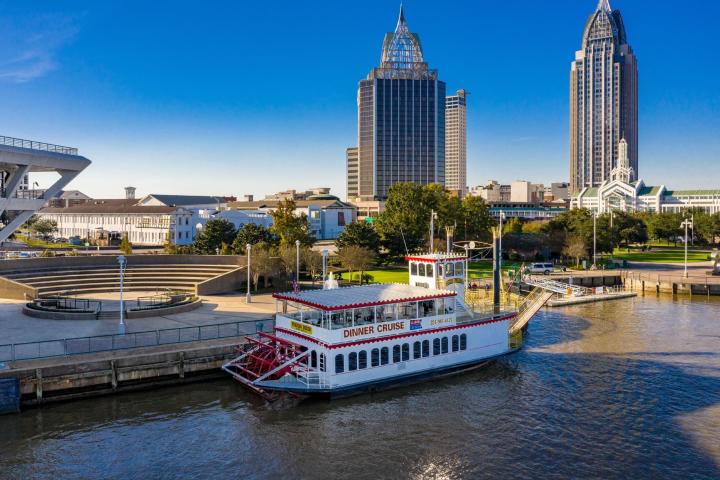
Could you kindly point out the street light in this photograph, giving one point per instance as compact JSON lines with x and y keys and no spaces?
{"x":324,"y":259}
{"x":686,"y":223}
{"x":297,"y":262}
{"x":595,"y":239}
{"x":123,"y":263}
{"x":248,"y":298}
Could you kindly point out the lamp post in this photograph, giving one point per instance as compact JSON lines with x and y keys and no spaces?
{"x":324,"y":259}
{"x":594,"y":239}
{"x":248,"y":298}
{"x":122,"y":261}
{"x":686,"y":223}
{"x":297,"y":261}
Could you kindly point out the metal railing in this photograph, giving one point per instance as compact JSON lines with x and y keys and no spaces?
{"x":32,"y":144}
{"x":68,"y":303}
{"x":161,"y":300}
{"x":150,"y":338}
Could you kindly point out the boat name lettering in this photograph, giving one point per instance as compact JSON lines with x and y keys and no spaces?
{"x":301,"y":327}
{"x":371,"y":329}
{"x":441,"y":321}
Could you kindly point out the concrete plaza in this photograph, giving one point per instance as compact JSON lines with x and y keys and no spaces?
{"x":16,"y":327}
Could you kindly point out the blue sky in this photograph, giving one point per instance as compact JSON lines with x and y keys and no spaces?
{"x":231,"y":97}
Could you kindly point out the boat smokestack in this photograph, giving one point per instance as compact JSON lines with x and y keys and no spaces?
{"x":449,"y":230}
{"x":496,"y":270}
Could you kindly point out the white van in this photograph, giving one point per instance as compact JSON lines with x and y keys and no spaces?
{"x":544,"y":268}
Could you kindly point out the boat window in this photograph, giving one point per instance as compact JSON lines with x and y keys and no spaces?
{"x":352,"y":361}
{"x":375,"y":357}
{"x":406,"y":352}
{"x":340,"y":319}
{"x":413,"y":268}
{"x":429,"y":271}
{"x":426,"y":348}
{"x":463,"y":342}
{"x":362,"y":359}
{"x":440,"y":270}
{"x":421,"y":269}
{"x":427,"y":308}
{"x":459,"y":267}
{"x":444,"y":345}
{"x":407,"y":310}
{"x":396,"y":353}
{"x":313,"y":359}
{"x":322,"y":362}
{"x":455,"y":343}
{"x":440,"y":304}
{"x":449,"y":270}
{"x":416,"y":350}
{"x":339,"y":363}
{"x":436,"y":346}
{"x":364,"y":315}
{"x":386,"y":313}
{"x":384,"y":356}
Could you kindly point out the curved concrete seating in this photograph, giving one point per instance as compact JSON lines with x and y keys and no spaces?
{"x":65,"y":279}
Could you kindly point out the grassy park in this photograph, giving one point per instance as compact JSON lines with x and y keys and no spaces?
{"x":661,"y":255}
{"x":400,"y":274}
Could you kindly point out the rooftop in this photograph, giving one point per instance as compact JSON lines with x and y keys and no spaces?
{"x":362,"y":296}
{"x":182,"y":200}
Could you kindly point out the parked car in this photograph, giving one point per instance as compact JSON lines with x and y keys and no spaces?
{"x":75,"y":240}
{"x":544,"y":268}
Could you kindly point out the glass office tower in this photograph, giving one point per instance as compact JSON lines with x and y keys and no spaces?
{"x":401,"y":119}
{"x":603,"y":100}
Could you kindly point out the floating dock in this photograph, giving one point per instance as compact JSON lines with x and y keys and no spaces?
{"x":601,"y":297}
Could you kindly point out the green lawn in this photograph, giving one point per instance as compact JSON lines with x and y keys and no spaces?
{"x":661,"y":255}
{"x":41,"y":243}
{"x":400,"y":274}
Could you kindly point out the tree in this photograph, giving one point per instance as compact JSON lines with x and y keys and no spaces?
{"x":211,"y":238}
{"x":262,"y":264}
{"x":628,"y":228}
{"x":360,"y":234}
{"x":288,"y":260}
{"x":313,"y":262}
{"x":404,"y":225}
{"x":355,"y":259}
{"x":252,"y":234}
{"x":125,"y":245}
{"x":44,"y":226}
{"x":575,"y":247}
{"x":514,"y":225}
{"x":289,"y":227}
{"x":477,"y":220}
{"x":664,"y":226}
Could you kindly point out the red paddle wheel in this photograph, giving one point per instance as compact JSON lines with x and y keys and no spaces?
{"x":265,"y":357}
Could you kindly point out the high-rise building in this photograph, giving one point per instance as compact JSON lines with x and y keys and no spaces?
{"x":401,"y":118}
{"x":456,"y":142}
{"x":603,"y":100}
{"x":351,"y":168}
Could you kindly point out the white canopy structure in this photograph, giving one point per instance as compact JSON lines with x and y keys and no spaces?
{"x":19,"y":157}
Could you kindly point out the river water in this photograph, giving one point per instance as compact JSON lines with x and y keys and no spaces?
{"x":623,"y":389}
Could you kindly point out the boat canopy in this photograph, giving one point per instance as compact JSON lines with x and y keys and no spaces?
{"x":362,"y":296}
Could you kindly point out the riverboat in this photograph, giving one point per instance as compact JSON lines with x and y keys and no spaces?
{"x":342,"y":341}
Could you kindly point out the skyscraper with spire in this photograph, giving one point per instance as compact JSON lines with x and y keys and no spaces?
{"x":401,"y":118}
{"x":603,"y":101}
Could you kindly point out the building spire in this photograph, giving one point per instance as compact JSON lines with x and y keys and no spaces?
{"x":603,"y":5}
{"x":401,"y":17}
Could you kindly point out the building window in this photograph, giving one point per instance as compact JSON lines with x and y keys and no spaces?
{"x":463,"y":342}
{"x":362,"y":359}
{"x":426,"y":348}
{"x":339,"y":363}
{"x":384,"y":356}
{"x":341,"y":219}
{"x":352,"y":361}
{"x":375,"y":357}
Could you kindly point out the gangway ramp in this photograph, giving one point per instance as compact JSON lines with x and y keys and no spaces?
{"x":529,"y":307}
{"x":557,"y":287}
